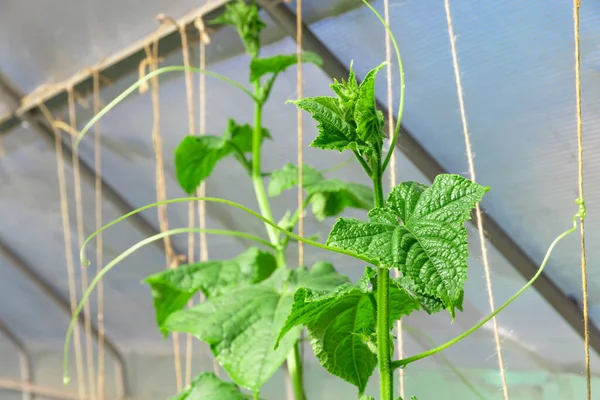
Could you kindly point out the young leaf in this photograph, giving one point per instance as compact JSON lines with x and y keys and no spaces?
{"x":241,"y":135}
{"x":322,"y":276}
{"x":328,"y":197}
{"x":196,"y":157}
{"x":287,"y":177}
{"x":173,"y":288}
{"x":338,"y":321}
{"x":279,"y":63}
{"x":208,"y":387}
{"x":332,"y":196}
{"x":241,"y":328}
{"x":421,"y":232}
{"x":244,"y":17}
{"x":402,"y":302}
{"x":369,"y":121}
{"x":347,"y":92}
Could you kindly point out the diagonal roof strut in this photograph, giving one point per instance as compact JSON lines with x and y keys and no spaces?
{"x":430,"y":167}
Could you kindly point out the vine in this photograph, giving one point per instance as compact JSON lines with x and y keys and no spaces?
{"x":256,"y":304}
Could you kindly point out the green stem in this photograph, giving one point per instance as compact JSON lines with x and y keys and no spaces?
{"x":293,"y":359}
{"x":294,"y":364}
{"x":124,"y":255}
{"x":257,"y":180}
{"x":146,"y":78}
{"x":402,"y":363}
{"x":384,"y":356}
{"x":401,"y":70}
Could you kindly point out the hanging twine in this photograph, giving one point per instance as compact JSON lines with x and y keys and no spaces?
{"x":99,"y":239}
{"x":486,"y":264}
{"x":584,"y":284}
{"x":204,"y":41}
{"x":161,"y":191}
{"x":89,"y":354}
{"x":64,"y":210}
{"x":392,"y":167}
{"x":189,"y":90}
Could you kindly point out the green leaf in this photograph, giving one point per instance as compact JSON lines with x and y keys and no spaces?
{"x":329,"y":197}
{"x":196,"y":157}
{"x":279,"y":63}
{"x":241,"y":328}
{"x":173,"y":288}
{"x":369,"y":121}
{"x":347,"y":92}
{"x":338,"y":322}
{"x":241,"y":135}
{"x":402,"y":302}
{"x":429,"y":304}
{"x":336,"y":132}
{"x":208,"y":387}
{"x":421,"y":232}
{"x":368,"y":398}
{"x":244,"y":17}
{"x":322,"y":276}
{"x":287,"y":177}
{"x":332,"y":196}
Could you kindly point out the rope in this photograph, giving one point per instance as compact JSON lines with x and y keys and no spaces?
{"x":99,"y":238}
{"x":161,"y":191}
{"x":189,"y":90}
{"x":204,"y":41}
{"x":486,"y":264}
{"x":584,"y":284}
{"x":64,"y":210}
{"x":89,"y":354}
{"x":392,"y":166}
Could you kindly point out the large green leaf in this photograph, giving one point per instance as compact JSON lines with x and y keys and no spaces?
{"x":208,"y":387}
{"x":279,"y":63}
{"x":420,"y":231}
{"x":241,"y":328}
{"x":173,"y":288}
{"x":329,"y":197}
{"x":335,"y":131}
{"x":340,"y":323}
{"x":196,"y":157}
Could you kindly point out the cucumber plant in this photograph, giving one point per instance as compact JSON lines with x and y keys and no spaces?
{"x":256,"y":305}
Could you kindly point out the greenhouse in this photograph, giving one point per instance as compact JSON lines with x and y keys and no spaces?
{"x":299,"y":200}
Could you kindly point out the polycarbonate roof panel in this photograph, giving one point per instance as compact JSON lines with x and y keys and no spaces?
{"x":516,"y":63}
{"x":50,"y":41}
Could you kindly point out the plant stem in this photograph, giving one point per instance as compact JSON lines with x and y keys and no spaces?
{"x":294,"y":364}
{"x":384,"y":356}
{"x":257,"y":180}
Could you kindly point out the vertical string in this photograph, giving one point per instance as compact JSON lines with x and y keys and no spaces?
{"x":64,"y":210}
{"x":161,"y":192}
{"x":89,"y":352}
{"x":392,"y":167}
{"x":486,"y":264}
{"x":204,"y":41}
{"x":189,"y":90}
{"x":300,"y":155}
{"x":584,"y":284}
{"x":99,"y":237}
